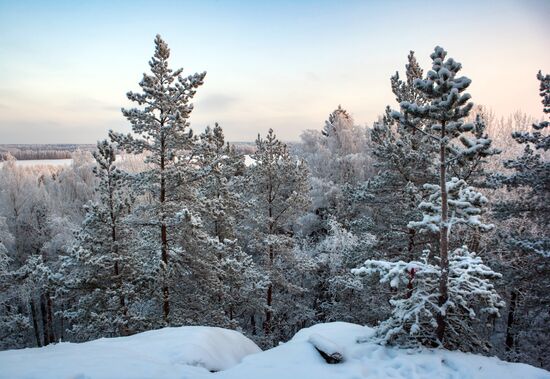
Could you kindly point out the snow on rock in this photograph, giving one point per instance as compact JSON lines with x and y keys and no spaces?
{"x":299,"y":359}
{"x":331,"y":352}
{"x":182,"y":352}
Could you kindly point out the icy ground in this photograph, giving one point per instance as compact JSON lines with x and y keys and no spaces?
{"x":192,"y":352}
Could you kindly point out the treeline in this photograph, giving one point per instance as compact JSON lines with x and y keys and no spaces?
{"x":416,"y":224}
{"x":65,"y":151}
{"x":46,"y":151}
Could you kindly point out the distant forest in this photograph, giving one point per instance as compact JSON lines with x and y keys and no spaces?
{"x":26,"y":152}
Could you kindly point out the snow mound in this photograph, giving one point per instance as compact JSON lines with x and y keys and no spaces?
{"x":183,"y":352}
{"x":192,"y":352}
{"x":298,"y":359}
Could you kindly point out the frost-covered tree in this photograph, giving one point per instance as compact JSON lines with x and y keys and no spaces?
{"x":277,"y":192}
{"x":531,"y":173}
{"x":219,"y":188}
{"x":524,"y":214}
{"x":337,"y":294}
{"x":13,"y":322}
{"x":336,"y":156}
{"x":242,"y":284}
{"x":451,"y":203}
{"x":98,"y":272}
{"x":161,"y":131}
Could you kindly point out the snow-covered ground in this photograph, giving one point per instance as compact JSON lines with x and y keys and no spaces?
{"x":42,"y":162}
{"x":192,"y":352}
{"x":248,"y":161}
{"x":171,"y":353}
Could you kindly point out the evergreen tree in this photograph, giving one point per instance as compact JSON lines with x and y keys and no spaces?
{"x":525,"y":231}
{"x":450,"y":203}
{"x":531,"y":173}
{"x":161,"y":131}
{"x":99,"y":272}
{"x":13,"y":322}
{"x":278,"y":193}
{"x":241,"y":281}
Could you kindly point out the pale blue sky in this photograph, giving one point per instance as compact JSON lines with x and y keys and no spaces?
{"x":65,"y":66}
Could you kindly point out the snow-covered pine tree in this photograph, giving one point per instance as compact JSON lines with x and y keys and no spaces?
{"x":531,"y":173}
{"x":13,"y":322}
{"x":526,"y":236}
{"x":30,"y":282}
{"x":223,"y":204}
{"x":277,"y":191}
{"x":98,"y":272}
{"x":243,"y":284}
{"x":161,"y":131}
{"x":435,"y":308}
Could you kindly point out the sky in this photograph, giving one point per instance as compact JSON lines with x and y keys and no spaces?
{"x":65,"y":66}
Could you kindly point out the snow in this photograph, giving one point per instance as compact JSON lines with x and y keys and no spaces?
{"x":249,"y":161}
{"x":324,"y":344}
{"x":184,"y":352}
{"x":299,"y":359}
{"x":42,"y":162}
{"x":163,"y":353}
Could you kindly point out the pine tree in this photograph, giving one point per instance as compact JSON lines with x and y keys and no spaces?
{"x":531,"y":173}
{"x":278,"y":192}
{"x":524,"y":215}
{"x":98,"y":272}
{"x":218,"y":191}
{"x":451,"y":203}
{"x":13,"y":322}
{"x":161,"y":131}
{"x":241,"y":281}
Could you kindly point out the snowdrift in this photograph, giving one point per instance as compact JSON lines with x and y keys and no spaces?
{"x":164,"y":353}
{"x":299,"y":359}
{"x":192,"y":352}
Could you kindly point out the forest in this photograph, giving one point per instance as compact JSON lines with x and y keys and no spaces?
{"x":431,"y":224}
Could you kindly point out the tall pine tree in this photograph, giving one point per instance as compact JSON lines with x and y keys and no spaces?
{"x":161,"y":131}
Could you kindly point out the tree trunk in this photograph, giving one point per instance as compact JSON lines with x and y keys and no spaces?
{"x":164,"y":237}
{"x":43,"y":312}
{"x":269,"y":295}
{"x":114,"y":238}
{"x":35,"y":323}
{"x":62,"y":323}
{"x":510,"y":321}
{"x":49,"y":310}
{"x":269,"y":299}
{"x":410,"y":251}
{"x":443,"y":239}
{"x":253,"y":324}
